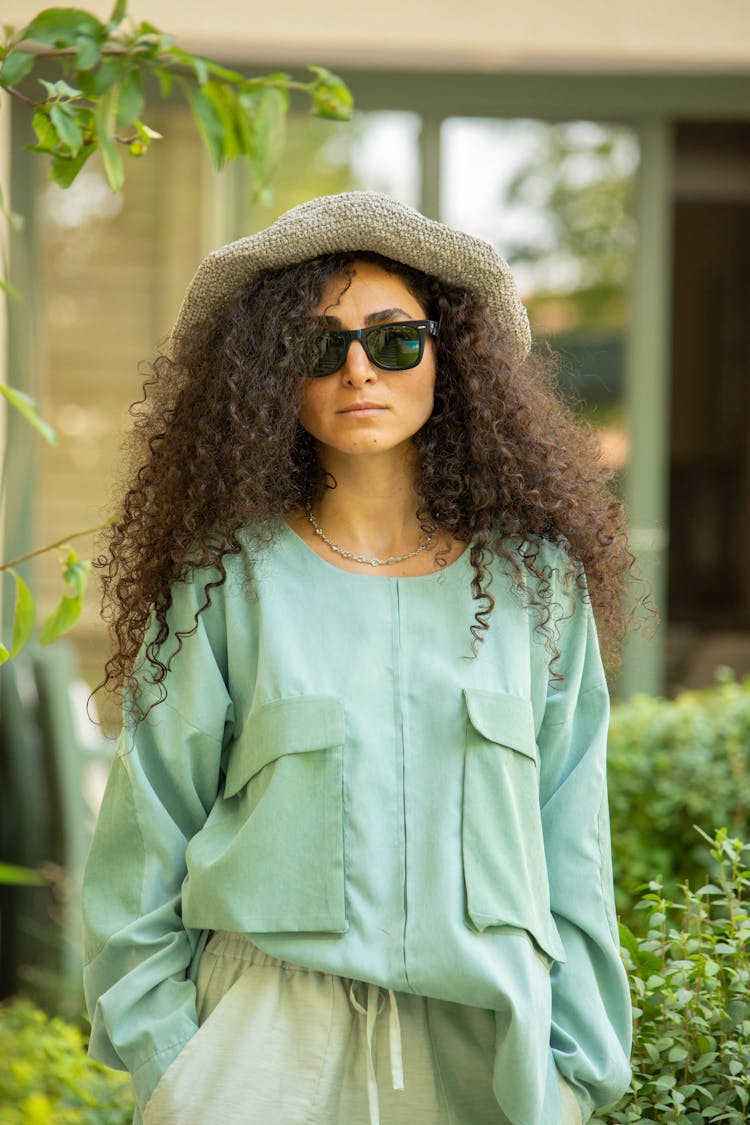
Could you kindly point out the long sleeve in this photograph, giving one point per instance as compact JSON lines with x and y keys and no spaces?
{"x":591,"y":1014}
{"x":163,"y":782}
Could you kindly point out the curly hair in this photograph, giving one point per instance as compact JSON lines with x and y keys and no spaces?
{"x":217,"y":448}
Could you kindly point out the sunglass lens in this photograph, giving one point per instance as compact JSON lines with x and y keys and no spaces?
{"x":328,"y":352}
{"x":395,"y":346}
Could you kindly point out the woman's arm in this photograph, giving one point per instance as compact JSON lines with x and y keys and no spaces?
{"x":164,"y":780}
{"x":591,"y":1014}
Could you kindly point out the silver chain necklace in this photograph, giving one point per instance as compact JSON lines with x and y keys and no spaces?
{"x":360,"y":558}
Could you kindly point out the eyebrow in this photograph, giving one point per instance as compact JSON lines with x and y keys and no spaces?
{"x":376,"y":317}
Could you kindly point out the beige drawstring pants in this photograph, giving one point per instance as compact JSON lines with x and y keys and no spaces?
{"x":279,"y":1044}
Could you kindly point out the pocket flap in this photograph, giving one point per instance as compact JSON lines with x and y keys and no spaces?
{"x":502,"y":718}
{"x":286,"y":726}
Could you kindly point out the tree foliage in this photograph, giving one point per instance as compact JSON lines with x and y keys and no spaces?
{"x":106,"y":71}
{"x":579,"y":179}
{"x":87,"y":83}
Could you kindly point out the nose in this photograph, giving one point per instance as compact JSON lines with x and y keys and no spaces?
{"x":357,"y":369}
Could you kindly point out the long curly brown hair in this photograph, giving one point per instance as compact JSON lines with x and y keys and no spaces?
{"x":217,"y":449}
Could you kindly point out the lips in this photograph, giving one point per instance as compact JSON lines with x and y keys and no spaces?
{"x":356,"y":407}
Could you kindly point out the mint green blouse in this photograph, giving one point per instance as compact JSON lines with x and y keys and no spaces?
{"x":336,"y":773}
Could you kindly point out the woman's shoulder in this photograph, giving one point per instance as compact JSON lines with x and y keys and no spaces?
{"x":553,"y":559}
{"x":237,"y":560}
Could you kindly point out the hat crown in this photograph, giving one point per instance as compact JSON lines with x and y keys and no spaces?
{"x":368,"y":221}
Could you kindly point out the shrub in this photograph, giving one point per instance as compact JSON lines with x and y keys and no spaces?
{"x":690,"y":985}
{"x":673,"y":764}
{"x":46,"y":1077}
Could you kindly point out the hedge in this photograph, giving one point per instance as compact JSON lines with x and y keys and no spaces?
{"x":674,"y":764}
{"x":690,"y":986}
{"x":46,"y":1077}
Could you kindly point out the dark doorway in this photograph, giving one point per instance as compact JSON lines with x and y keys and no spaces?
{"x":709,"y":552}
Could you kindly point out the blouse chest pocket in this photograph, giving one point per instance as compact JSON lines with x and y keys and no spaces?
{"x":286,"y":774}
{"x":505,"y":871}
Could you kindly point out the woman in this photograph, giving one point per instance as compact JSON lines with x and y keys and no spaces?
{"x":353,"y":859}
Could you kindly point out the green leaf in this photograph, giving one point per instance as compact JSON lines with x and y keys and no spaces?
{"x":150,"y":42}
{"x":26,"y":406}
{"x":145,"y":29}
{"x":59,"y":27}
{"x":45,"y":130}
{"x":224,"y":73}
{"x":277,"y":76}
{"x":145,"y":137}
{"x":130,"y":101}
{"x":118,"y":15}
{"x":64,"y":169}
{"x":629,"y":941}
{"x":62,"y":618}
{"x":96,"y":82}
{"x":265,"y":111}
{"x":71,"y":134}
{"x":246,"y":121}
{"x":15,"y":67}
{"x":199,"y":65}
{"x":11,"y":290}
{"x":104,"y":119}
{"x":59,"y":89}
{"x":146,"y":133}
{"x":113,"y":166}
{"x":88,"y":53}
{"x":10,"y":873}
{"x":330,"y":95}
{"x":4,"y":654}
{"x":23,"y":620}
{"x":226,"y":106}
{"x":165,"y":81}
{"x":16,"y":221}
{"x":201,"y":70}
{"x":208,"y":121}
{"x":76,"y":573}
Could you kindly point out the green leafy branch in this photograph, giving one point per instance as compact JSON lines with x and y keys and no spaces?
{"x":75,"y":576}
{"x":97,"y":103}
{"x":13,"y":875}
{"x":26,"y":407}
{"x":87,"y":82}
{"x":690,"y":986}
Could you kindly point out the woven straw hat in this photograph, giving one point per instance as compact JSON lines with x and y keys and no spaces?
{"x":361,"y":220}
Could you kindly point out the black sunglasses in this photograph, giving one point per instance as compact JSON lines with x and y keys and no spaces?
{"x":391,"y":347}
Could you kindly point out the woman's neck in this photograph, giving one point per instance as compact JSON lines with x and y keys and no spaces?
{"x":373,"y":508}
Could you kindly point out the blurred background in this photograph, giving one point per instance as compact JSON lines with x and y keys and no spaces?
{"x":605,"y":152}
{"x":604,"y":148}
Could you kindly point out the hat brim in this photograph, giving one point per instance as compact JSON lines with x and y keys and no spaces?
{"x":355,"y":221}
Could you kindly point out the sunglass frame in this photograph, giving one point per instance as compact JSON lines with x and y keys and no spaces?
{"x":424,"y":328}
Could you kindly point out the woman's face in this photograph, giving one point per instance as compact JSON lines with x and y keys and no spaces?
{"x":361,"y":409}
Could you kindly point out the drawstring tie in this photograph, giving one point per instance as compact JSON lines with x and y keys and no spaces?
{"x":374,"y":996}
